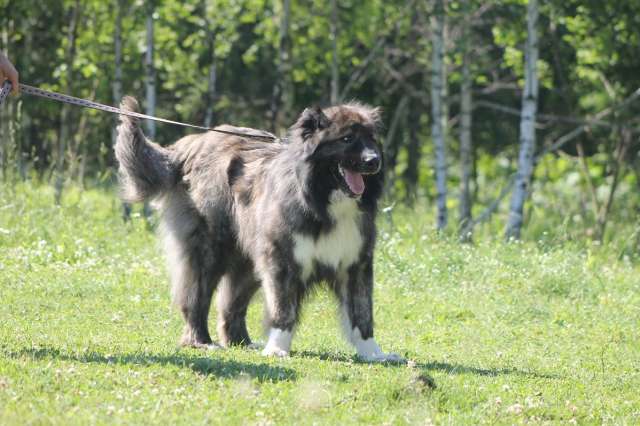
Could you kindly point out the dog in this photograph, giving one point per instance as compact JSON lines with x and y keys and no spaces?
{"x":239,"y":214}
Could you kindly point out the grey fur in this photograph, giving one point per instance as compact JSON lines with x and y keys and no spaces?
{"x":245,"y":213}
{"x":145,"y":168}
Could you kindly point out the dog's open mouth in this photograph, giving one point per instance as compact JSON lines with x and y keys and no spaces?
{"x":353,"y":181}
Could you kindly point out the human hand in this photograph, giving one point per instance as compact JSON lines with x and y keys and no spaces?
{"x":8,"y":72}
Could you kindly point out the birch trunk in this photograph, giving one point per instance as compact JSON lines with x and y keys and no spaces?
{"x":211,"y":93}
{"x":213,"y":70}
{"x":150,"y":82}
{"x":391,"y":142}
{"x":116,"y":90}
{"x":282,"y":97}
{"x":437,"y":128}
{"x":466,"y":150}
{"x":527,"y":126}
{"x":25,"y":122}
{"x":413,"y":150}
{"x":10,"y":116}
{"x":5,"y":110}
{"x":116,"y":87}
{"x":65,"y":118}
{"x":335,"y":75}
{"x":79,"y":141}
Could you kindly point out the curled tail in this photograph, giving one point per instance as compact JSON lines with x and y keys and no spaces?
{"x":145,"y":168}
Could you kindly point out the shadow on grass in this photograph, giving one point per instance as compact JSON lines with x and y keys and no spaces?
{"x":489,"y":372}
{"x":429,"y":366}
{"x":325,"y":356}
{"x":341,"y":357}
{"x":201,"y":365}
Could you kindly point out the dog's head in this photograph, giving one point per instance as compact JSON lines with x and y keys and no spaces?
{"x":341,"y":142}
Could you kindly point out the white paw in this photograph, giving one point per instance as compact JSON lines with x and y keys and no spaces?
{"x":276,"y":352}
{"x":382,"y":357}
{"x":278,"y":344}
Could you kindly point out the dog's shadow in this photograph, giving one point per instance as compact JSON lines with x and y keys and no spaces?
{"x":263,"y":372}
{"x":341,"y":357}
{"x":222,"y":368}
{"x":429,"y":367}
{"x":487,"y":372}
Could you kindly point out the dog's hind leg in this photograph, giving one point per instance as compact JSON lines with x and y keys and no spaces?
{"x":196,"y":265}
{"x":234,"y":294}
{"x":193,"y":290}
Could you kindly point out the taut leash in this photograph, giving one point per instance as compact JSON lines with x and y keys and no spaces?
{"x":34,"y":91}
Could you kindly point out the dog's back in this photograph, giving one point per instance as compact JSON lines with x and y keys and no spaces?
{"x":148,"y":170}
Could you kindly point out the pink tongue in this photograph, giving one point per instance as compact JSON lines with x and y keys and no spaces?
{"x":355,"y":181}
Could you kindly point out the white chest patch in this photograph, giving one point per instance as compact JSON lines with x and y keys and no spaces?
{"x":339,"y":248}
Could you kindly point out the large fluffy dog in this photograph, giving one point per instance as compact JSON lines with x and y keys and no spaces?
{"x":238,"y":214}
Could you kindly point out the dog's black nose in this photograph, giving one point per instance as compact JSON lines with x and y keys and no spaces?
{"x":370,"y":161}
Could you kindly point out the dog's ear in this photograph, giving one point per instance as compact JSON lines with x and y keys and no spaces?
{"x":311,"y":121}
{"x":376,"y":116}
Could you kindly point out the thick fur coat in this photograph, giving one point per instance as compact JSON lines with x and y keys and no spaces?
{"x":238,"y":214}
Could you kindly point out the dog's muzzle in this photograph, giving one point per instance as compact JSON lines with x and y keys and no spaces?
{"x":370,"y":162}
{"x":353,"y":172}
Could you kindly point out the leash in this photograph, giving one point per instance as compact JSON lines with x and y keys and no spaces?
{"x":59,"y":97}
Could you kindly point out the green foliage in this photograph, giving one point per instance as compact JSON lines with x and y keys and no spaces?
{"x":544,"y":331}
{"x":538,"y":331}
{"x":587,"y":64}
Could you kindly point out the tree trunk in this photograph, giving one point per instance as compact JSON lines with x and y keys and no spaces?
{"x":25,"y":122}
{"x":617,"y":165}
{"x":282,"y":98}
{"x":335,"y":74}
{"x":150,"y":81}
{"x":116,"y":87}
{"x":211,"y":92}
{"x":5,"y":112}
{"x":413,"y":150}
{"x":79,"y":141}
{"x":65,"y":118}
{"x":116,"y":90}
{"x":527,"y":126}
{"x":83,"y":165}
{"x":438,"y":83}
{"x":10,"y":116}
{"x":466,"y":147}
{"x":391,"y":143}
{"x":213,"y":70}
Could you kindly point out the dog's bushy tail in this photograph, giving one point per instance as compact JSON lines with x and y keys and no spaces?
{"x":145,"y":168}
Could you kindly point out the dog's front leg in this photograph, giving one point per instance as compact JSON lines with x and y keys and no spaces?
{"x":282,"y":295}
{"x":356,"y":299}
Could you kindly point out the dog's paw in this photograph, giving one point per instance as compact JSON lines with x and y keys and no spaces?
{"x":275,"y":352}
{"x":382,"y":357}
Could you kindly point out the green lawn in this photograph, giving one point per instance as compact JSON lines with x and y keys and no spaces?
{"x":535,"y":332}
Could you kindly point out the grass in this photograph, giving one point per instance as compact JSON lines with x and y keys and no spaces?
{"x":541,"y":332}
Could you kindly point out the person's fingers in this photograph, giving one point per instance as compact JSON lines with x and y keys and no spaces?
{"x":14,"y":79}
{"x":13,"y":76}
{"x":8,"y":72}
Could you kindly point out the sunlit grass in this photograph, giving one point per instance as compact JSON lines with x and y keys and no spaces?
{"x":540,"y":331}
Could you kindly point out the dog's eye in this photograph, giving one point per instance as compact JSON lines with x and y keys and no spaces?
{"x":347,"y":139}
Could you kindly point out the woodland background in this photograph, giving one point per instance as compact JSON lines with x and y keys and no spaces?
{"x":503,"y":119}
{"x":505,"y":115}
